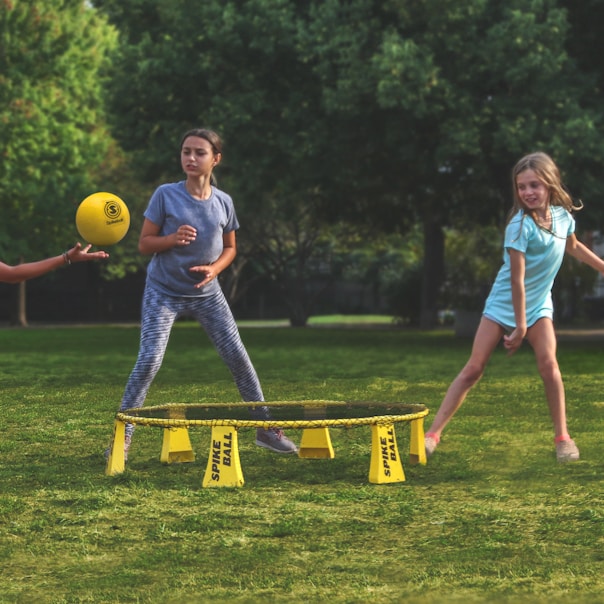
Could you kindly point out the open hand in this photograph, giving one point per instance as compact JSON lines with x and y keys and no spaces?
{"x":81,"y":254}
{"x":207,"y":271}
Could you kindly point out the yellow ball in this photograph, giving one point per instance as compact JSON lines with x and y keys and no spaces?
{"x":102,"y":219}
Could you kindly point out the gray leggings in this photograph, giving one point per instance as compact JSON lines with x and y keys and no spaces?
{"x":213,"y":313}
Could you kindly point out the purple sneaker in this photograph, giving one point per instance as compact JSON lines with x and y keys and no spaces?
{"x":275,"y":440}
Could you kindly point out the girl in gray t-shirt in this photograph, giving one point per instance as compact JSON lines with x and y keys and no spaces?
{"x":189,"y":229}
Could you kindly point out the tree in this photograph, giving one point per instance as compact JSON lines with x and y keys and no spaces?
{"x":52,"y":57}
{"x":389,"y":114}
{"x":245,"y":79}
{"x":464,"y":89}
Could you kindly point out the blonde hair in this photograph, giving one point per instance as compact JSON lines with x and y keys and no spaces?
{"x":548,"y":173}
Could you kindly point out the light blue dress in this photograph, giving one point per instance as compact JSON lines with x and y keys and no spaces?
{"x":543,"y":251}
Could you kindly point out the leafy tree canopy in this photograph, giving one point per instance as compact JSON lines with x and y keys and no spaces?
{"x":53,"y":54}
{"x":388,"y":113}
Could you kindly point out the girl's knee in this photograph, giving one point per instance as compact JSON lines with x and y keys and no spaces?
{"x":471,"y":373}
{"x":549,"y":370}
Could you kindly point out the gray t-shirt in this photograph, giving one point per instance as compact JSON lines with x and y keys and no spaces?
{"x":171,"y":206}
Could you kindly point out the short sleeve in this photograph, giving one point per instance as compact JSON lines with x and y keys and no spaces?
{"x":155,"y":211}
{"x":518,"y":232}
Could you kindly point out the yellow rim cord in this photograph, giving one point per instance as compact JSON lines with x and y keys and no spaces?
{"x":313,"y":414}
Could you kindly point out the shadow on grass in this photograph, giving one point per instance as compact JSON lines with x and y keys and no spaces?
{"x":261,"y":468}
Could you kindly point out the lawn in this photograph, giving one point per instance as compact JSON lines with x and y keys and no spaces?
{"x":492,"y":517}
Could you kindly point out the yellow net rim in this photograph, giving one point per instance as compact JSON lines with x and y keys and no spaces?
{"x":412,"y":412}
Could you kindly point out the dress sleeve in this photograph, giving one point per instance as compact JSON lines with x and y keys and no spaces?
{"x":571,"y":224}
{"x":518,"y":232}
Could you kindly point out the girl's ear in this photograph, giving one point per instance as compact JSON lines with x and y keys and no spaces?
{"x":217,"y":159}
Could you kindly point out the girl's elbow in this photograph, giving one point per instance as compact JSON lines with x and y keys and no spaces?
{"x":12,"y":277}
{"x":144,"y":248}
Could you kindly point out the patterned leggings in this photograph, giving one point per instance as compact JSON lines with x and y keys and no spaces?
{"x":214,"y":315}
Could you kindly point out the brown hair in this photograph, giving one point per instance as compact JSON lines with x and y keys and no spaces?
{"x":212,"y":138}
{"x":549,"y":174}
{"x":209,"y":135}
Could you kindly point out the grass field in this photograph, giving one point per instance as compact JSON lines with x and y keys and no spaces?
{"x":491,"y":518}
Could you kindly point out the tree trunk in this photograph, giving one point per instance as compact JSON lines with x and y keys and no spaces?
{"x":296,"y":299}
{"x":19,"y":314}
{"x":434,"y":260}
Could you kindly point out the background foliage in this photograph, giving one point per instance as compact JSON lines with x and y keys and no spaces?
{"x":52,"y":119}
{"x":390,"y":114}
{"x":373,"y":116}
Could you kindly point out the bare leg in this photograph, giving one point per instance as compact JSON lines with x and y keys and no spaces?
{"x":542,"y":338}
{"x":486,"y":339}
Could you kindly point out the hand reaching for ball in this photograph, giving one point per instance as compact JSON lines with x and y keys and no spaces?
{"x":82,"y":254}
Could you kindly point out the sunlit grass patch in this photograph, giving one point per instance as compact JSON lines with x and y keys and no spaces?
{"x":491,"y":517}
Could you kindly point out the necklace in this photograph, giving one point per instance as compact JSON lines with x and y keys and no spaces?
{"x":547,"y":216}
{"x":547,"y":224}
{"x":545,"y":220}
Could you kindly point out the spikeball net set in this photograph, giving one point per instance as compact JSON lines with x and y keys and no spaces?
{"x":315,"y":418}
{"x":104,"y":219}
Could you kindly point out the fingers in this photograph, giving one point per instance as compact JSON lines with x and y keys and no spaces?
{"x":512,"y":342}
{"x":185,"y":234}
{"x":202,"y":268}
{"x":79,"y":254}
{"x":209,"y":274}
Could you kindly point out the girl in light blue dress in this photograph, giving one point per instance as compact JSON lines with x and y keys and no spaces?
{"x":540,"y":230}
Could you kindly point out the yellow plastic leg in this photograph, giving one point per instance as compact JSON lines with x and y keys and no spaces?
{"x":224,"y":467}
{"x":417,"y":449}
{"x":385,"y":466}
{"x":116,"y":463}
{"x":176,"y":446}
{"x":316,"y":444}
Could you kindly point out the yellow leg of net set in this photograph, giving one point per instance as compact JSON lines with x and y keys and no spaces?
{"x":176,"y":446}
{"x":116,"y":462}
{"x":224,"y":466}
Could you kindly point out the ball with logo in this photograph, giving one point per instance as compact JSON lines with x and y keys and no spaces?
{"x":102,"y":219}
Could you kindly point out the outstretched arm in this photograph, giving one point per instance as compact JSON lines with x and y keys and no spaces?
{"x":29,"y":270}
{"x":582,"y":253}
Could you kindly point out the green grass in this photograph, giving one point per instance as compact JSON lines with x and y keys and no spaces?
{"x":327,"y":320}
{"x":491,"y":518}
